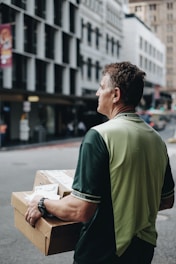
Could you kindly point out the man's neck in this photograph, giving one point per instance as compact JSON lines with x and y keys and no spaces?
{"x":123,"y":109}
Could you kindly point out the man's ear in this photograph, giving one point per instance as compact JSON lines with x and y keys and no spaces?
{"x":117,"y":94}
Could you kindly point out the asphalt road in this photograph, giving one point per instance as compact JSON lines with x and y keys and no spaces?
{"x":18,"y":168}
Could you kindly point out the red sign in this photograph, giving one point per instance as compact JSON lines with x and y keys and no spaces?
{"x":5,"y":46}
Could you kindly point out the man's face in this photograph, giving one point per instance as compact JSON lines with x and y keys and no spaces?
{"x":106,"y":95}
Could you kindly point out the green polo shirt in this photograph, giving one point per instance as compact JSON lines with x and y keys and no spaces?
{"x":121,"y":166}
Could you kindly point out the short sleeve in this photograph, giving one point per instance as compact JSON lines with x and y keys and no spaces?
{"x":92,"y":168}
{"x":168,"y":186}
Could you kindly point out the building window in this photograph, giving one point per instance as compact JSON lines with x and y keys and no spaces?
{"x":89,"y":33}
{"x":49,"y":42}
{"x":169,"y":17}
{"x":169,"y":39}
{"x":40,"y":8}
{"x":169,"y":60}
{"x":58,"y":12}
{"x":112,"y":46}
{"x":65,"y":48}
{"x":40,"y":75}
{"x":141,"y":43}
{"x":146,"y":46}
{"x":169,"y":49}
{"x":58,"y":75}
{"x":78,"y":52}
{"x":146,"y":63}
{"x":72,"y":81}
{"x":150,"y":66}
{"x":30,"y":27}
{"x":169,"y":70}
{"x":89,"y":68}
{"x":72,"y":18}
{"x":150,"y":49}
{"x":155,"y":28}
{"x":97,"y":35}
{"x":152,"y":7}
{"x":19,"y":76}
{"x":170,"y":83}
{"x":169,"y":27}
{"x":141,"y":61}
{"x":20,"y":3}
{"x":97,"y":70}
{"x":82,"y":29}
{"x":169,"y":5}
{"x":107,"y":43}
{"x":118,"y":48}
{"x":82,"y":65}
{"x":138,"y":8}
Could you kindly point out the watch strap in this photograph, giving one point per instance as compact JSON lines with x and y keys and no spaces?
{"x":41,"y":206}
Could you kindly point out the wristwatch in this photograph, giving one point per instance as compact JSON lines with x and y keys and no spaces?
{"x":42,"y":207}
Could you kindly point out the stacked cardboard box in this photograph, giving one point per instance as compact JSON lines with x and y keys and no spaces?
{"x":50,"y":235}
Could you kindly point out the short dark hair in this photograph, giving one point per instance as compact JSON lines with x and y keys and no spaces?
{"x":130,"y":80}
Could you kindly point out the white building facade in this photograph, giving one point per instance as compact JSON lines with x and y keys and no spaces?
{"x":143,"y":48}
{"x":101,"y":39}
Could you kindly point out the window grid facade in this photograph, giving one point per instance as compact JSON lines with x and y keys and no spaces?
{"x":40,"y":38}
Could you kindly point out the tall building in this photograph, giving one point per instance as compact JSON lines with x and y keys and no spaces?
{"x":101,"y":42}
{"x":59,"y":48}
{"x":160,"y":16}
{"x":148,"y":52}
{"x":42,"y":85}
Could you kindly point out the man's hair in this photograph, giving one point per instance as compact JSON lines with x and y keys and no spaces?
{"x":129,"y":79}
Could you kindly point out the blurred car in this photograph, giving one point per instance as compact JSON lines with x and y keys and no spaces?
{"x":147,"y":118}
{"x":159,"y":119}
{"x":159,"y":122}
{"x":155,"y":119}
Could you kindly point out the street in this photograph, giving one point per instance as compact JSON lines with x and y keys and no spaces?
{"x":18,"y":168}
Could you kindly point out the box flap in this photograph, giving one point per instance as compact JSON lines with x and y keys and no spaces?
{"x":64,"y":178}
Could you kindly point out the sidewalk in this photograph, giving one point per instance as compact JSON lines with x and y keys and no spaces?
{"x":171,"y":147}
{"x":27,"y":145}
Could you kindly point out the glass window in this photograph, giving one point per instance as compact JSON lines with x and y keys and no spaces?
{"x":40,"y":8}
{"x":58,"y":81}
{"x":169,"y":5}
{"x":97,"y":70}
{"x":89,"y":33}
{"x":58,"y":12}
{"x":97,"y":36}
{"x":40,"y":75}
{"x":19,"y":75}
{"x":20,"y":3}
{"x":89,"y":68}
{"x":30,"y":34}
{"x":49,"y":42}
{"x":72,"y":81}
{"x":72,"y":18}
{"x":65,"y":48}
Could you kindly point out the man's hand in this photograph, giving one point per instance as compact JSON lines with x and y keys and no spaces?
{"x":33,"y":214}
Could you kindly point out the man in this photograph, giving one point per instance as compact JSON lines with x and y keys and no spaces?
{"x":122,"y":179}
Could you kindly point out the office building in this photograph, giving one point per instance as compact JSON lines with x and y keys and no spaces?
{"x":160,"y":16}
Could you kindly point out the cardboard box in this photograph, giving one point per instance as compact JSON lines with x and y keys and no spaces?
{"x":64,"y":178}
{"x":50,"y":235}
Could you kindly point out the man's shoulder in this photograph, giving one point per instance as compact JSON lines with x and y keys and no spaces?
{"x":102,"y":127}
